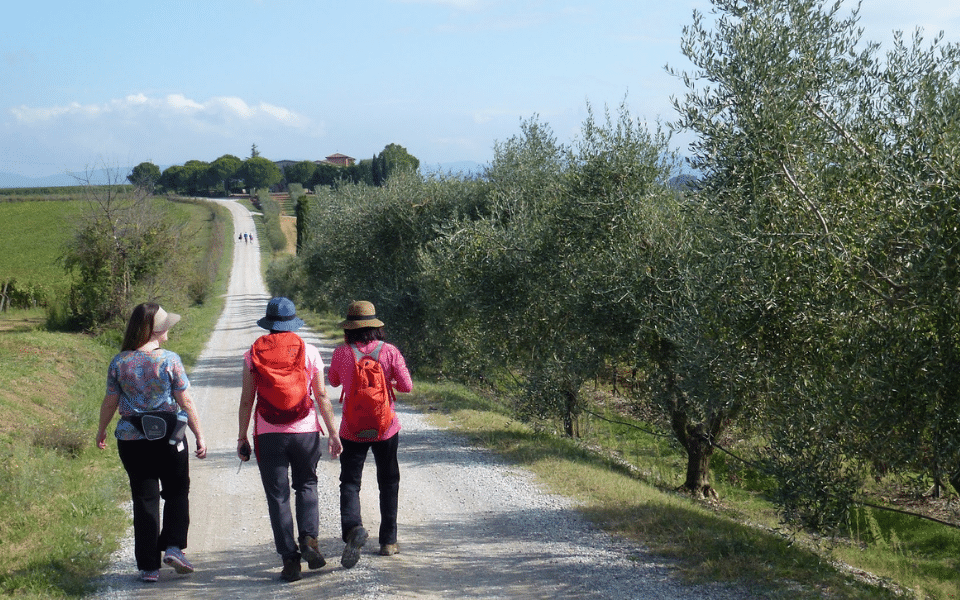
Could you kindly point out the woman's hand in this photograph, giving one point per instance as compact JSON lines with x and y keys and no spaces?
{"x":243,"y":450}
{"x":334,"y":446}
{"x":201,"y":448}
{"x":102,"y":440}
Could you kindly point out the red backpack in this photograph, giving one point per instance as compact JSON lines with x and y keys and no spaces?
{"x":367,"y":409}
{"x":279,"y":365}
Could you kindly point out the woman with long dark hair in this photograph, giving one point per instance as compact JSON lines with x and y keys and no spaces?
{"x":149,"y":387}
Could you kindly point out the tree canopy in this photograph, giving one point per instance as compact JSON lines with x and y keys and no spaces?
{"x":258,"y":172}
{"x":145,"y":176}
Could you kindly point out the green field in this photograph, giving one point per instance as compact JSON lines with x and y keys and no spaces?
{"x":33,"y":234}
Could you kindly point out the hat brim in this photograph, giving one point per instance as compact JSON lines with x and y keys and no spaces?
{"x":350,"y":324}
{"x":274,"y":325}
{"x":167,"y":321}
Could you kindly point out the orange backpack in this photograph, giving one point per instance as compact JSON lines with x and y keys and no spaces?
{"x":279,"y":365}
{"x":367,"y":409}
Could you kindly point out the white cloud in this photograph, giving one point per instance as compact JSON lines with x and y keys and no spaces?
{"x":222,"y":109}
{"x":487,"y":115}
{"x":168,"y":129}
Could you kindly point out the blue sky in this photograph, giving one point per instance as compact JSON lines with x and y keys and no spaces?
{"x":109,"y":83}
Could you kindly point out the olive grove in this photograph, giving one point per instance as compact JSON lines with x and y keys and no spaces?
{"x":804,"y":291}
{"x":834,"y":166}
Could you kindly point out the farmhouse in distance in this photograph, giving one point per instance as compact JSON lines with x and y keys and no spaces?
{"x":340,"y":160}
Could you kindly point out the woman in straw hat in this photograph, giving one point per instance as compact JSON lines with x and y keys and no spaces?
{"x":280,"y":372}
{"x":144,"y":378}
{"x":363,"y":331}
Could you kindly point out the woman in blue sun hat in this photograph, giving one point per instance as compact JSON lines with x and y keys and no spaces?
{"x":280,"y":373}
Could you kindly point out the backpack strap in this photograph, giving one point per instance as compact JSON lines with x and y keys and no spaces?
{"x":375,"y":355}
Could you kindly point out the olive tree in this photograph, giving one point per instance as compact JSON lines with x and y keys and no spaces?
{"x":363,"y":242}
{"x":912,"y":257}
{"x":822,"y":162}
{"x":548,"y":278}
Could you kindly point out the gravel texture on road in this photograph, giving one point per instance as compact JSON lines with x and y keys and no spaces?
{"x":471,"y":526}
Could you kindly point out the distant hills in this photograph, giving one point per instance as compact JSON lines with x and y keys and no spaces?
{"x":464,"y":167}
{"x":10,"y":180}
{"x":96,"y":177}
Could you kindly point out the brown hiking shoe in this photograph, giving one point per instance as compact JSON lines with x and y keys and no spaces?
{"x":291,"y":569}
{"x":389,"y":549}
{"x":310,"y":552}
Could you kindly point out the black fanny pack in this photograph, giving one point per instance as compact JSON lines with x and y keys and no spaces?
{"x":160,"y":425}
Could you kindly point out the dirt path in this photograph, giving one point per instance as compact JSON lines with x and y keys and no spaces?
{"x":470,"y":526}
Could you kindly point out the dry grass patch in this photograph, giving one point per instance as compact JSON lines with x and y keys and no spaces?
{"x":288,"y":225}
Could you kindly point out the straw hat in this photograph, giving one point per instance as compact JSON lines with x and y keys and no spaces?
{"x":163,"y":321}
{"x":281,"y":316}
{"x":361,"y":314}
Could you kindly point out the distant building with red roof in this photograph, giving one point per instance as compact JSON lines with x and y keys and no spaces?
{"x":341,"y":160}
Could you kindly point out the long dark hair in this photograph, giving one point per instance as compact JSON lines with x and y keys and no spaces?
{"x":140,"y":326}
{"x":362,"y":335}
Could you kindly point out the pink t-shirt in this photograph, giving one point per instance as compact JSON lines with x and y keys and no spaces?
{"x":394,"y":370}
{"x":311,"y":422}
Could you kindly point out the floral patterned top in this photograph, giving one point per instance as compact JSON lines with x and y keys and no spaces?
{"x":144,"y":381}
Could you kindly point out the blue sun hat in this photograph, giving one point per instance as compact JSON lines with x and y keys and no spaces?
{"x":281,"y":316}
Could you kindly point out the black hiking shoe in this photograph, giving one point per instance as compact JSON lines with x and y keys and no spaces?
{"x":291,"y":569}
{"x":351,"y":551}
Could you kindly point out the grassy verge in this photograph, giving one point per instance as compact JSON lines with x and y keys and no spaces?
{"x":31,"y":260}
{"x":60,"y":515}
{"x":709,"y":542}
{"x":58,"y":494}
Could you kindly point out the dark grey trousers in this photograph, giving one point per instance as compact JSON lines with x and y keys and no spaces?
{"x":289,"y":460}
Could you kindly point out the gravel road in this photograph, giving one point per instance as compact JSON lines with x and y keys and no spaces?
{"x":470,"y":525}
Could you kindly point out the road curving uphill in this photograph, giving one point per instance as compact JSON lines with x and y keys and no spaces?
{"x":470,"y":525}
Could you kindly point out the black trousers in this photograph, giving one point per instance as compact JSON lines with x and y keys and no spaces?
{"x":157,"y":470}
{"x":388,"y":479}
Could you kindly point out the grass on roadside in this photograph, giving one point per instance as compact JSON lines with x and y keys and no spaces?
{"x":31,"y":259}
{"x":59,"y":495}
{"x":735,"y":541}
